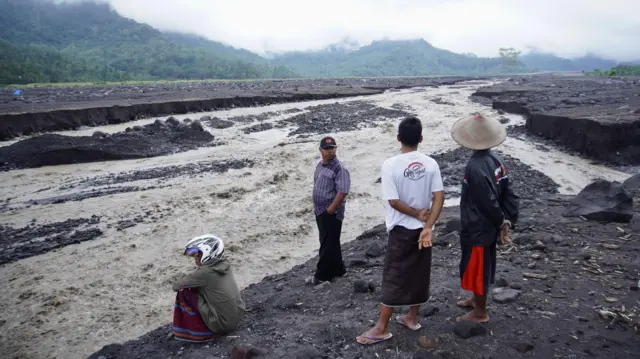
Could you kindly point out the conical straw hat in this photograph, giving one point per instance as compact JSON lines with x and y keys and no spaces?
{"x":477,"y":132}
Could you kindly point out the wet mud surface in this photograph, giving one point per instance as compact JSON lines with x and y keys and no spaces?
{"x":93,"y":193}
{"x":568,"y":288}
{"x":55,"y":96}
{"x":597,"y":117}
{"x":336,"y":117}
{"x":165,"y":173}
{"x":34,"y":239}
{"x":44,"y":109}
{"x":152,"y":140}
{"x":342,"y":117}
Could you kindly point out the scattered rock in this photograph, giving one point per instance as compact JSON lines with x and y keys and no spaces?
{"x":534,"y":275}
{"x":452,"y":238}
{"x":246,"y":352}
{"x":515,"y":285}
{"x":361,"y":286}
{"x":322,"y":285}
{"x":632,"y":185}
{"x":216,"y":123}
{"x":280,"y":177}
{"x":429,"y":311}
{"x":467,"y":329}
{"x":197,"y":126}
{"x":501,"y":282}
{"x":524,"y":347}
{"x":99,"y":134}
{"x":172,"y":122}
{"x":376,"y":249}
{"x":505,"y":295}
{"x":539,"y":246}
{"x":428,"y":342}
{"x":453,"y":225}
{"x":378,"y":231}
{"x":258,"y":128}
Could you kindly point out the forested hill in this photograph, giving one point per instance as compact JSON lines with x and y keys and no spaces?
{"x":542,"y":61}
{"x":89,"y":42}
{"x":392,"y":58}
{"x":46,"y":42}
{"x":418,"y":58}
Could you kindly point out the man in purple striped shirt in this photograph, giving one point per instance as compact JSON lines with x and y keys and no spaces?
{"x":331,"y":182}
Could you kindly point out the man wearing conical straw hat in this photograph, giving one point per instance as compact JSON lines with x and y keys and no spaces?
{"x":488,"y":208}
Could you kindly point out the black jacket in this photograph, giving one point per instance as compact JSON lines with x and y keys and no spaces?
{"x":487,"y":199}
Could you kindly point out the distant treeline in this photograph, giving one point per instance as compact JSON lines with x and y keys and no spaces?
{"x":620,"y":70}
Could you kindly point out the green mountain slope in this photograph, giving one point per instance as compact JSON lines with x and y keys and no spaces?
{"x":392,"y":58}
{"x":96,"y":34}
{"x":542,"y":61}
{"x":38,"y":64}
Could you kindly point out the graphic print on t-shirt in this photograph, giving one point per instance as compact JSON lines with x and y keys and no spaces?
{"x":415,"y":171}
{"x":411,"y":178}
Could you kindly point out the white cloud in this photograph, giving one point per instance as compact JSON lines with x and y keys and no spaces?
{"x":566,"y":27}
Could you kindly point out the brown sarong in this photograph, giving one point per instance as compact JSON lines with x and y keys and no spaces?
{"x":407,"y":270}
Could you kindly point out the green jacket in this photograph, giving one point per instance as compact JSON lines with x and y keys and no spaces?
{"x":219,"y":300}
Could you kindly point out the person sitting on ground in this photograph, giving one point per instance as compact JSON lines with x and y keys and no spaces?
{"x":208,"y":302}
{"x":488,"y":208}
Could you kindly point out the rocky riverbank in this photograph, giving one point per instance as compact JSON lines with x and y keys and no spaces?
{"x":156,"y":139}
{"x":45,"y":109}
{"x":567,"y":287}
{"x":599,"y":118}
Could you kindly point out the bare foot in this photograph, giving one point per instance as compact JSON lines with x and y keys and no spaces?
{"x":474,"y":317}
{"x":467,"y":303}
{"x":372,"y":336}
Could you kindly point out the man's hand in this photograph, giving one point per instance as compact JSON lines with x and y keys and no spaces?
{"x":504,"y":234}
{"x":423,"y":215}
{"x":425,"y":238}
{"x":331,"y":211}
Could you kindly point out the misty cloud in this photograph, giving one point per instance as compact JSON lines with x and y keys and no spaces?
{"x":565,"y":27}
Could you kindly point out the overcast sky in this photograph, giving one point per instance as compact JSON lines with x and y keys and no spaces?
{"x":568,"y":28}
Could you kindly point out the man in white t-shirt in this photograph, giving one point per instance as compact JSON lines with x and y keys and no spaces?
{"x":414,"y":196}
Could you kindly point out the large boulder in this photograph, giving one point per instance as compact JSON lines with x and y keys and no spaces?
{"x":602,"y":201}
{"x":632,"y":184}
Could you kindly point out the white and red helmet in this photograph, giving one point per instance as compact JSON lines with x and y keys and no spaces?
{"x":209,"y":245}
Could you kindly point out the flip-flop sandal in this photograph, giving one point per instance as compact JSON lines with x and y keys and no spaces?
{"x":373,"y":340}
{"x":400,"y":319}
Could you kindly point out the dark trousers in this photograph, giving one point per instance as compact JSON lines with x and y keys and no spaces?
{"x":330,"y":263}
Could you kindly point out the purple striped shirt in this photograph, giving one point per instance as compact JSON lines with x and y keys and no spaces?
{"x":329,"y":180}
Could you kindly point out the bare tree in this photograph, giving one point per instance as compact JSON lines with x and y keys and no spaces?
{"x":509,"y":56}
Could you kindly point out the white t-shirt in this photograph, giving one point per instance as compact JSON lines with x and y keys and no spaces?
{"x":411,"y":178}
